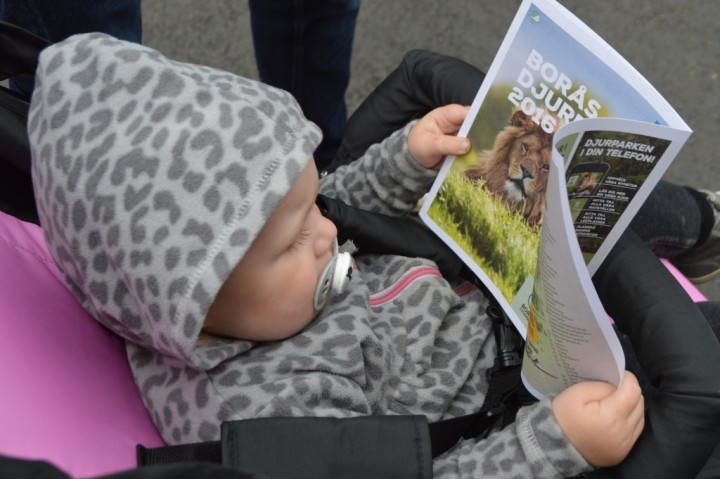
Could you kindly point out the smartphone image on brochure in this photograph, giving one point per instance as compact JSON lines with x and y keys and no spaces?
{"x":583,"y":181}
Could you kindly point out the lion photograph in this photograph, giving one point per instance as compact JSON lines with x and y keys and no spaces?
{"x":516,"y":168}
{"x":586,"y":186}
{"x":491,"y":202}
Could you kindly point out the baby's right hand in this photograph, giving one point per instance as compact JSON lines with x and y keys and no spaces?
{"x":602,"y":422}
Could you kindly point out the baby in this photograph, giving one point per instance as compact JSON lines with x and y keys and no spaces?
{"x":179,"y":202}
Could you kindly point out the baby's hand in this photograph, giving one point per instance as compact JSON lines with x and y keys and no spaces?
{"x":434,"y":136}
{"x":601,"y":422}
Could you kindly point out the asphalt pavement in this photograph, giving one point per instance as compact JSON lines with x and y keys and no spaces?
{"x":675,"y":45}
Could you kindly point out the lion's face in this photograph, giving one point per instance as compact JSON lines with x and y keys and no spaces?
{"x":516,"y":168}
{"x":528,"y":163}
{"x":588,"y":182}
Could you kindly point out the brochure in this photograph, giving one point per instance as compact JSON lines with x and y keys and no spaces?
{"x":568,"y":141}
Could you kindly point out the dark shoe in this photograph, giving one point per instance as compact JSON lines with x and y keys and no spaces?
{"x":702,"y":263}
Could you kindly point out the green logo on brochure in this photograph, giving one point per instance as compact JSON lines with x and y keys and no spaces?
{"x":535,"y":16}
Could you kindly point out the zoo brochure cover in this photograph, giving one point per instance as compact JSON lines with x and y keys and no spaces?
{"x":568,"y":141}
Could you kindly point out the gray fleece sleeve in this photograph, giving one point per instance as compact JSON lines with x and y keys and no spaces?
{"x":386,"y":179}
{"x":533,"y":446}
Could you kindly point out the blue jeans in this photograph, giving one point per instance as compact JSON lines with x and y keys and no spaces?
{"x":304,"y":47}
{"x":56,"y":20}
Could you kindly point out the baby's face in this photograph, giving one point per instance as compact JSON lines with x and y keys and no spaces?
{"x":269,"y":295}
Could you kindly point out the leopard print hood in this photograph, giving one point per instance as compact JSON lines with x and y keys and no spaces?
{"x":152,"y":179}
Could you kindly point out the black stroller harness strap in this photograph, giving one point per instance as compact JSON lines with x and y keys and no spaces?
{"x":196,"y":452}
{"x":312,"y":447}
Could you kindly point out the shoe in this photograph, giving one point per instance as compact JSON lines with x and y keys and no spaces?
{"x":702,"y":263}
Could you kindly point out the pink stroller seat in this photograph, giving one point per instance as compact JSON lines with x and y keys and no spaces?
{"x":68,"y":394}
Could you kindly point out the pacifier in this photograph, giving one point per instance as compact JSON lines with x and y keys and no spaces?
{"x":334,"y":278}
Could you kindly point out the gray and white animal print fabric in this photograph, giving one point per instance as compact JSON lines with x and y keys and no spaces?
{"x":153,"y":178}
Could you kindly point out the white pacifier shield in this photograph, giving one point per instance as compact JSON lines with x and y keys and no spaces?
{"x":334,"y":278}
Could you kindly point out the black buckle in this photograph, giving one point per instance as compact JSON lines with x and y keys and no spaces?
{"x":509,"y":342}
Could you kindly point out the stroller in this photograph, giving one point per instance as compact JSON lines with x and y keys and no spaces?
{"x":674,"y":344}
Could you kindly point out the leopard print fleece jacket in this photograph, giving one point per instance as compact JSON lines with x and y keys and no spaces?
{"x":153,"y":178}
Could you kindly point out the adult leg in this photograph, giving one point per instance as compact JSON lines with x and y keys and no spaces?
{"x":671,"y":219}
{"x":56,"y":20}
{"x":682,"y":224}
{"x":304,"y":47}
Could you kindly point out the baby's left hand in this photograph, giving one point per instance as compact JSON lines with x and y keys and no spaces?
{"x":434,"y":136}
